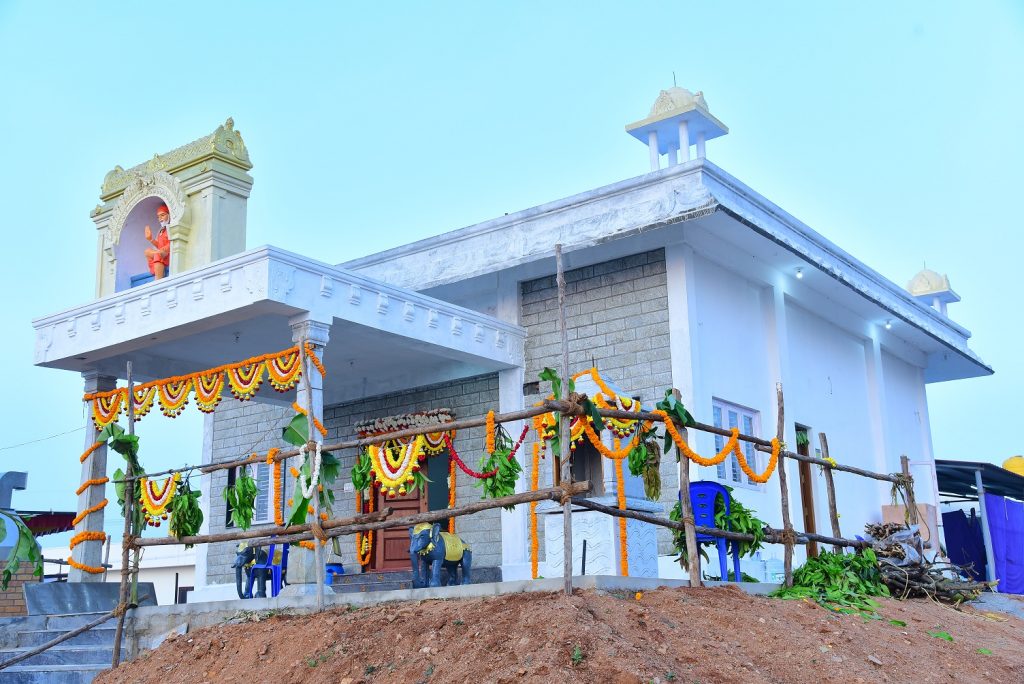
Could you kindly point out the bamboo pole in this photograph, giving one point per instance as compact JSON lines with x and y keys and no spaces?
{"x":787,"y":523}
{"x":564,"y":435}
{"x":911,"y":500}
{"x":830,"y":488}
{"x":771,"y":535}
{"x":126,"y":541}
{"x":686,"y":511}
{"x":261,"y":532}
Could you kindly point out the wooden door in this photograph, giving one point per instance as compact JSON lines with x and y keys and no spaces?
{"x":807,"y":491}
{"x":391,"y":547}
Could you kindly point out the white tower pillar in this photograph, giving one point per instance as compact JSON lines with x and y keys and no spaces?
{"x":700,"y":146}
{"x":684,"y":141}
{"x":672,"y":160}
{"x":652,"y":144}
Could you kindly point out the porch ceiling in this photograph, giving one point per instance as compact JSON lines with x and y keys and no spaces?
{"x":382,"y":338}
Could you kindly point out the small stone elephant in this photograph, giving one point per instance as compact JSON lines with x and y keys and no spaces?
{"x":430,"y":549}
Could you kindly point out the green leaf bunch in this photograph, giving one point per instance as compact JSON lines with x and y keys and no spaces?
{"x":241,"y":497}
{"x":844,"y":583}
{"x":740,"y":519}
{"x":503,"y":482}
{"x":186,"y":512}
{"x":296,"y":433}
{"x":675,"y":410}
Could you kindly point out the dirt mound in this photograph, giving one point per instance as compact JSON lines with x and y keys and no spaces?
{"x":683,"y":635}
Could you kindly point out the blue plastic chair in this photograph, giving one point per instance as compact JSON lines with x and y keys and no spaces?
{"x":331,"y":570}
{"x":276,"y":570}
{"x":702,"y":498}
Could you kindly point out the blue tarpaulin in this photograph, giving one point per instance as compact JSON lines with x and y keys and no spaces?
{"x":1006,"y":525}
{"x":964,"y":543}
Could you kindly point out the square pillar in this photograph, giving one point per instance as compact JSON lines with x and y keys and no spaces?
{"x":95,"y":466}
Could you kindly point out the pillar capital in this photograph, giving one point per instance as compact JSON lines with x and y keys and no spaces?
{"x":305,"y":328}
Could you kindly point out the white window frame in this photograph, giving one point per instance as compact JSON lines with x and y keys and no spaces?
{"x":749,"y":422}
{"x":263,"y":474}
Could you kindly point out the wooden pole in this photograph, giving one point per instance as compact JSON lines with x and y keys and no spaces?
{"x":787,"y":523}
{"x":830,"y":488}
{"x":129,"y":504}
{"x":258,"y":533}
{"x":686,"y":511}
{"x":911,"y":501}
{"x":563,"y":428}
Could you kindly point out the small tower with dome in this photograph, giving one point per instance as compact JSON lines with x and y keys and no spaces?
{"x":677,"y":120}
{"x":933,"y":289}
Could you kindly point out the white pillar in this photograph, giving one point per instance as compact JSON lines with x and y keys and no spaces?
{"x":700,"y":146}
{"x":672,"y":161}
{"x":986,"y":531}
{"x":684,"y":142}
{"x":95,"y":466}
{"x":652,"y":144}
{"x":301,"y":566}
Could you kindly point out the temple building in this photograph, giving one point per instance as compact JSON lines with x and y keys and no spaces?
{"x":680,"y":277}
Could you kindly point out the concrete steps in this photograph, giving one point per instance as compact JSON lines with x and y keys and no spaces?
{"x":401,"y":579}
{"x":75,"y":661}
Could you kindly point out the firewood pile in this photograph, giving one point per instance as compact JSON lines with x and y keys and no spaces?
{"x":908,"y":574}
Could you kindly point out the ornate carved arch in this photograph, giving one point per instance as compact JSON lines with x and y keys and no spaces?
{"x":157,"y":184}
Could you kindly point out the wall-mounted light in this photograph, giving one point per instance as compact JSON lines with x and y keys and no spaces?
{"x":888,"y":324}
{"x":799,"y":273}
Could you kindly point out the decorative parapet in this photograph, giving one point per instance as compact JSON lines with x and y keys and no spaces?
{"x":224,"y":144}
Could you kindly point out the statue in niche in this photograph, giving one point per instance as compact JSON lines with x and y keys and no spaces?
{"x":159,"y":255}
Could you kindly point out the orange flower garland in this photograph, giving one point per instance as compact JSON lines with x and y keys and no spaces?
{"x":364,"y":540}
{"x":311,"y":354}
{"x":534,"y":483}
{"x":451,"y":493}
{"x":732,"y":446}
{"x":85,"y":568}
{"x":277,"y":490}
{"x":106,"y":406}
{"x":245,"y":380}
{"x":88,"y":452}
{"x":142,"y":400}
{"x":620,"y":490}
{"x":85,"y":536}
{"x":208,"y":388}
{"x":615,"y":454}
{"x":490,"y":433}
{"x":92,"y":509}
{"x":90,"y":483}
{"x":284,"y":371}
{"x":174,"y":396}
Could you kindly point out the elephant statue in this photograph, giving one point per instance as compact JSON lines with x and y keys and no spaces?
{"x":245,"y":557}
{"x":430,"y":549}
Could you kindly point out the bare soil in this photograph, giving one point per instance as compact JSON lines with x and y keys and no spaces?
{"x":668,"y":635}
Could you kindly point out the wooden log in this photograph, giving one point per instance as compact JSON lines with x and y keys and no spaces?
{"x":686,"y":513}
{"x":129,"y":503}
{"x":552,"y":494}
{"x":787,"y":523}
{"x":564,"y":435}
{"x":259,"y":533}
{"x":830,"y":489}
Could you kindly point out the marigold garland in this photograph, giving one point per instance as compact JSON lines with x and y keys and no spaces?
{"x":364,"y":540}
{"x":451,"y":494}
{"x":732,"y":446}
{"x":534,"y":483}
{"x":155,"y":498}
{"x":393,"y":473}
{"x":142,"y":400}
{"x":616,"y":454}
{"x":92,"y":509}
{"x":85,"y":568}
{"x":311,"y":355}
{"x":85,"y":536}
{"x":278,"y":489}
{"x":88,"y":452}
{"x":174,"y":396}
{"x":489,"y":448}
{"x":309,"y":545}
{"x":284,"y":371}
{"x":106,"y":407}
{"x":208,"y":391}
{"x":90,"y":483}
{"x":620,"y":490}
{"x":245,"y":381}
{"x":316,"y":423}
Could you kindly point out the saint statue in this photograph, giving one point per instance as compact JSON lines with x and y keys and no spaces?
{"x":159,"y":255}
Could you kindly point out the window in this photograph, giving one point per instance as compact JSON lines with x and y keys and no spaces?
{"x":728,"y":416}
{"x":263,"y":513}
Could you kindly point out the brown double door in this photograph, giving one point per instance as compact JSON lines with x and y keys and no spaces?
{"x":391,"y":547}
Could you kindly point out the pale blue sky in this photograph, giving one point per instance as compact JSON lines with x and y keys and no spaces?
{"x":891,"y":128}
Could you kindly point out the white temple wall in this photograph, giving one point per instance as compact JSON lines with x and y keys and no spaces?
{"x":908,"y":429}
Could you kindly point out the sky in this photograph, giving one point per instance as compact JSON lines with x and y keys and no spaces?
{"x":891,"y":128}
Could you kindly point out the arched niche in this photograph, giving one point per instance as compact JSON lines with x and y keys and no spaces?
{"x":129,"y":252}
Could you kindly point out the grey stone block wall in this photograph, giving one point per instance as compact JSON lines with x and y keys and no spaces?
{"x":239,"y":429}
{"x":616,"y":319}
{"x":467,"y":398}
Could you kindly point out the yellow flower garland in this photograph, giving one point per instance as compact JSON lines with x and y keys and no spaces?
{"x":534,"y":483}
{"x":732,"y":446}
{"x":490,"y":433}
{"x":616,"y":454}
{"x":364,"y":540}
{"x":92,"y":509}
{"x":623,"y":540}
{"x":451,"y":493}
{"x":88,"y":452}
{"x":90,"y":483}
{"x":85,"y":536}
{"x":85,"y":568}
{"x":311,"y":354}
